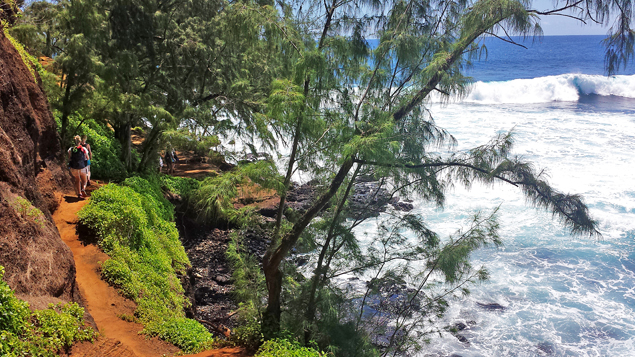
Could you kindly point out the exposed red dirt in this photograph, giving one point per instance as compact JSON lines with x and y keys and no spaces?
{"x":101,"y":300}
{"x":118,"y":338}
{"x":39,"y":267}
{"x":223,"y":352}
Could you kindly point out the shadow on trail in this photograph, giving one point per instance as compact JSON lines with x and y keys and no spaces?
{"x":72,"y":199}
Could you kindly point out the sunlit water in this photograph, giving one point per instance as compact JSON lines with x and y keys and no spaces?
{"x":564,"y":295}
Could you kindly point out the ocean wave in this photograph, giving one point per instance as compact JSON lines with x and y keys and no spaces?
{"x":561,"y":88}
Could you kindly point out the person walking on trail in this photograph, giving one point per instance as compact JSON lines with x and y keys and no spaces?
{"x":77,"y":158}
{"x":160,"y":163}
{"x":90,"y":157}
{"x":175,"y":163}
{"x":169,"y":162}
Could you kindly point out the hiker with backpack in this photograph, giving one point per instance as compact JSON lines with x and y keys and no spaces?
{"x":90,"y":157}
{"x":77,"y":159}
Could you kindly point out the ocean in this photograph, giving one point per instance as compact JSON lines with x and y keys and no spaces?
{"x":563,"y":295}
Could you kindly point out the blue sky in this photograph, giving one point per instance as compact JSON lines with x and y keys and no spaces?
{"x":560,"y":25}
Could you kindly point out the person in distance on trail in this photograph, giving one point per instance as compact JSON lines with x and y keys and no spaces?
{"x":77,"y":158}
{"x":169,"y":162}
{"x":90,"y":157}
{"x":160,"y":162}
{"x":175,"y":159}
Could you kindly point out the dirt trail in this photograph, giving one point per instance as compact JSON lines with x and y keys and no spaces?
{"x":118,"y":338}
{"x":102,"y":301}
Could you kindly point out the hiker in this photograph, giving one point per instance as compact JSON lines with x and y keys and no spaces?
{"x":175,"y":159}
{"x":77,"y":157}
{"x":90,"y":157}
{"x":169,"y":161}
{"x":160,"y":163}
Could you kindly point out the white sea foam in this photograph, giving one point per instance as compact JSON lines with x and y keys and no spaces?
{"x":572,"y":295}
{"x":561,"y":88}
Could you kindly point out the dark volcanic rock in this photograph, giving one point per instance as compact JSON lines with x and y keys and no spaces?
{"x":211,"y":289}
{"x":403,"y":206}
{"x":300,"y":197}
{"x":368,"y":200}
{"x":459,"y":326}
{"x":461,"y":338}
{"x":259,"y":156}
{"x":270,"y":212}
{"x":222,"y":279}
{"x":546,"y":348}
{"x":491,"y":306}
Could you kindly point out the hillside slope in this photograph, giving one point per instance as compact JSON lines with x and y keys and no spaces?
{"x":39,"y":266}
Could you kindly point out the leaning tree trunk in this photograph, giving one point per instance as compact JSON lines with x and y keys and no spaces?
{"x":149,"y":147}
{"x":273,"y":258}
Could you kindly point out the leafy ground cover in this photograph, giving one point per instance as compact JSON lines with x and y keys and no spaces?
{"x":133,"y":225}
{"x":286,"y":348}
{"x":38,"y":333}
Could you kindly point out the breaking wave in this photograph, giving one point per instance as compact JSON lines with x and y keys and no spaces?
{"x":561,"y":88}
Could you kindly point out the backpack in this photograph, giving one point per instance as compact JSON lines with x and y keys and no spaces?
{"x":78,"y":159}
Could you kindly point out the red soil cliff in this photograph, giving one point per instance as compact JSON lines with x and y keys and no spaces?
{"x":39,"y":266}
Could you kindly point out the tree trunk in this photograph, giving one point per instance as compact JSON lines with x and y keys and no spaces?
{"x":66,"y":109}
{"x":273,"y":258}
{"x":287,"y":179}
{"x":149,"y":147}
{"x":122,"y":132}
{"x":320,"y":271}
{"x":271,"y":316}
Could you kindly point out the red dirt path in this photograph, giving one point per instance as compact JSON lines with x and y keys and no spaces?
{"x":118,"y":338}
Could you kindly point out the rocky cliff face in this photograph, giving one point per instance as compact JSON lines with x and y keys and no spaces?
{"x":39,"y":266}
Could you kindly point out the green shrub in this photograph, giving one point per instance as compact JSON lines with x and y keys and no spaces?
{"x":132,"y":226}
{"x":187,"y":140}
{"x":14,"y":313}
{"x":153,"y":197}
{"x":213,"y":200}
{"x":39,"y":333}
{"x":185,"y":333}
{"x":182,"y":186}
{"x":286,"y":348}
{"x":106,"y":163}
{"x":250,"y":290}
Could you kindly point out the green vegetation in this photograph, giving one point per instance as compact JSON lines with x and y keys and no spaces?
{"x":178,"y":185}
{"x":105,"y":164}
{"x":132,"y":222}
{"x":213,"y":201}
{"x":250,"y":290}
{"x":39,"y":333}
{"x":26,"y":210}
{"x":30,"y":62}
{"x":285,"y":348}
